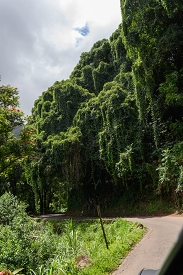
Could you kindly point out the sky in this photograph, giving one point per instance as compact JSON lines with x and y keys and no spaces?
{"x":41,"y":40}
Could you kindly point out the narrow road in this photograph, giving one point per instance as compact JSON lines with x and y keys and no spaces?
{"x":153,"y":249}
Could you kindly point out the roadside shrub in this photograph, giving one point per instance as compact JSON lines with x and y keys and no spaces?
{"x":11,"y":208}
{"x":24,"y":242}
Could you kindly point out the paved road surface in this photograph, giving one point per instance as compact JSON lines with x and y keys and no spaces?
{"x":153,"y":248}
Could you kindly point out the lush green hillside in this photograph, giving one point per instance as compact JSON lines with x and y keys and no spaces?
{"x":112,"y":132}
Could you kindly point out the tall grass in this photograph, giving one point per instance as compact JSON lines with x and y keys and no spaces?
{"x":72,"y":247}
{"x":85,"y":240}
{"x":43,"y":247}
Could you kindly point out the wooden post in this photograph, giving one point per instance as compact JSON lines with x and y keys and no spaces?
{"x":101,"y":222}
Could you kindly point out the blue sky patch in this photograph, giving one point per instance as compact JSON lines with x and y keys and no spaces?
{"x":84,"y":31}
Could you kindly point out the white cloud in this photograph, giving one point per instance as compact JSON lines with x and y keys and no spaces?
{"x":38,"y":40}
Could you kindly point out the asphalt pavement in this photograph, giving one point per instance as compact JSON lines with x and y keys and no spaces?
{"x":152,"y":250}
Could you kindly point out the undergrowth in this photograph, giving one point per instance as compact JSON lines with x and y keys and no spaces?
{"x":69,"y":247}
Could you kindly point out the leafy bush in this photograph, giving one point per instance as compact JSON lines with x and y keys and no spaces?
{"x":24,"y":242}
{"x":11,"y":208}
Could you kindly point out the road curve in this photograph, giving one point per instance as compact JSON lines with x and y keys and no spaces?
{"x":152,"y":250}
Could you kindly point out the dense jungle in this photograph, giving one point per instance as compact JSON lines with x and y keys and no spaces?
{"x":111,"y":134}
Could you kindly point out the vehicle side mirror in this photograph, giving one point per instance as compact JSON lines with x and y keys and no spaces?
{"x":148,"y":272}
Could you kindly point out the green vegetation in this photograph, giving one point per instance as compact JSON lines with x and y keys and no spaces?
{"x":112,"y":132}
{"x":61,"y":247}
{"x":110,"y":135}
{"x":16,"y":143}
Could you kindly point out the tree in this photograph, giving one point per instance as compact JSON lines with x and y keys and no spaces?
{"x":153,"y":38}
{"x":13,"y":150}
